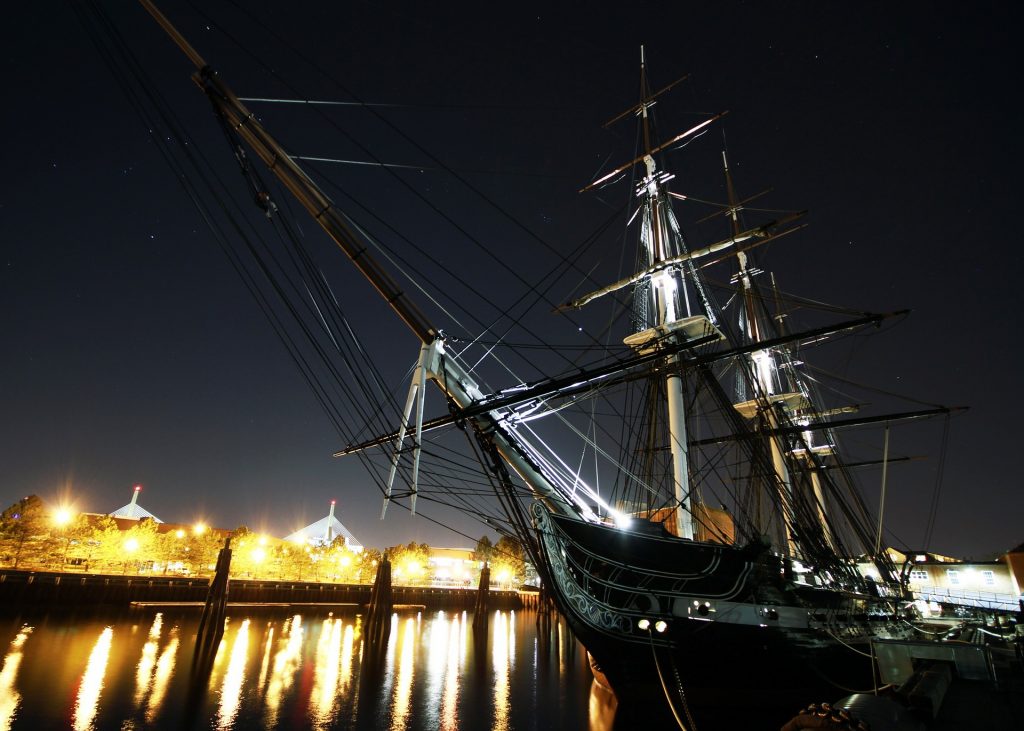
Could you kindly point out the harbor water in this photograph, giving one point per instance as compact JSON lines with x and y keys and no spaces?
{"x":133,"y":670}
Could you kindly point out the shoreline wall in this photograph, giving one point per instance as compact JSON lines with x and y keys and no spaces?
{"x":26,"y":589}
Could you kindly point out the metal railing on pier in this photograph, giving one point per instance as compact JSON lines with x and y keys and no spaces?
{"x":967,"y":598}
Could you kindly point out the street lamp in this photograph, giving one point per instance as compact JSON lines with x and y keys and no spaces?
{"x":62,"y":516}
{"x":258,"y":554}
{"x":130,"y":547}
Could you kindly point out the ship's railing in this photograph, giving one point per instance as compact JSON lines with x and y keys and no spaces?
{"x":967,"y":598}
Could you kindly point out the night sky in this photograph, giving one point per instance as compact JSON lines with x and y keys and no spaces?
{"x":133,"y":354}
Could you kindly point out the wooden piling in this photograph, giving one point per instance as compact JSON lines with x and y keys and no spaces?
{"x":480,"y":617}
{"x":378,"y":614}
{"x":211,"y":624}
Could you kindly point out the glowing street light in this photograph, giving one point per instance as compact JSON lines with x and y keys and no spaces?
{"x":199,"y":528}
{"x":130,"y":546}
{"x":62,"y":516}
{"x":257,"y":555}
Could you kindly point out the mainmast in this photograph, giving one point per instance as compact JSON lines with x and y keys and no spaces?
{"x":664,"y":304}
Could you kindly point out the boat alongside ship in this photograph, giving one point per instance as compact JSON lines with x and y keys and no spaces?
{"x":722,"y":568}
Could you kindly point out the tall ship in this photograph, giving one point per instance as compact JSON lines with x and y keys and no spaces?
{"x":678,"y":484}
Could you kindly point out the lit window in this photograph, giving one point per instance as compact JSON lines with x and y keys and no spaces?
{"x":953,"y":576}
{"x":919,"y":576}
{"x":988,"y":578}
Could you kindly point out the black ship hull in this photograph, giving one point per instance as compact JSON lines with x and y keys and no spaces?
{"x":710,"y":628}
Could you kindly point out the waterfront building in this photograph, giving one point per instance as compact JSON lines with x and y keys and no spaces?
{"x":453,"y":567}
{"x":937,"y":580}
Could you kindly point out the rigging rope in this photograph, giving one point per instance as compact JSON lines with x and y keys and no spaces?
{"x":934,"y":507}
{"x":189,"y":165}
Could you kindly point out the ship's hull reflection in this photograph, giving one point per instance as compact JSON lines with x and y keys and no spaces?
{"x":434,"y":671}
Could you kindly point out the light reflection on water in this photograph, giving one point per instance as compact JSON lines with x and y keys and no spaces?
{"x":502,"y":659}
{"x":231,"y":688}
{"x":435,"y":672}
{"x":323,"y":700}
{"x":400,"y":698}
{"x":286,"y":662}
{"x":9,"y":696}
{"x":144,"y":673}
{"x":87,"y":702}
{"x":162,"y":677}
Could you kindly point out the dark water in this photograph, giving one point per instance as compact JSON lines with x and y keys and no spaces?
{"x":133,"y":671}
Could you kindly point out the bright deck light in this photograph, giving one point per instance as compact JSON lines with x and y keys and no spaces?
{"x":621,"y":519}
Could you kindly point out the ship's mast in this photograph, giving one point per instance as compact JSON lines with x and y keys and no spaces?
{"x":766,"y":383}
{"x":671,"y":319}
{"x":810,"y":453}
{"x":666,"y":287}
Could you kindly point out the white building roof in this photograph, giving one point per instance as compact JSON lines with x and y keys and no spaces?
{"x":133,"y":510}
{"x":324,"y":531}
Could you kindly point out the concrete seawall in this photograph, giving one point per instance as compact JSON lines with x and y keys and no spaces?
{"x":22,"y":589}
